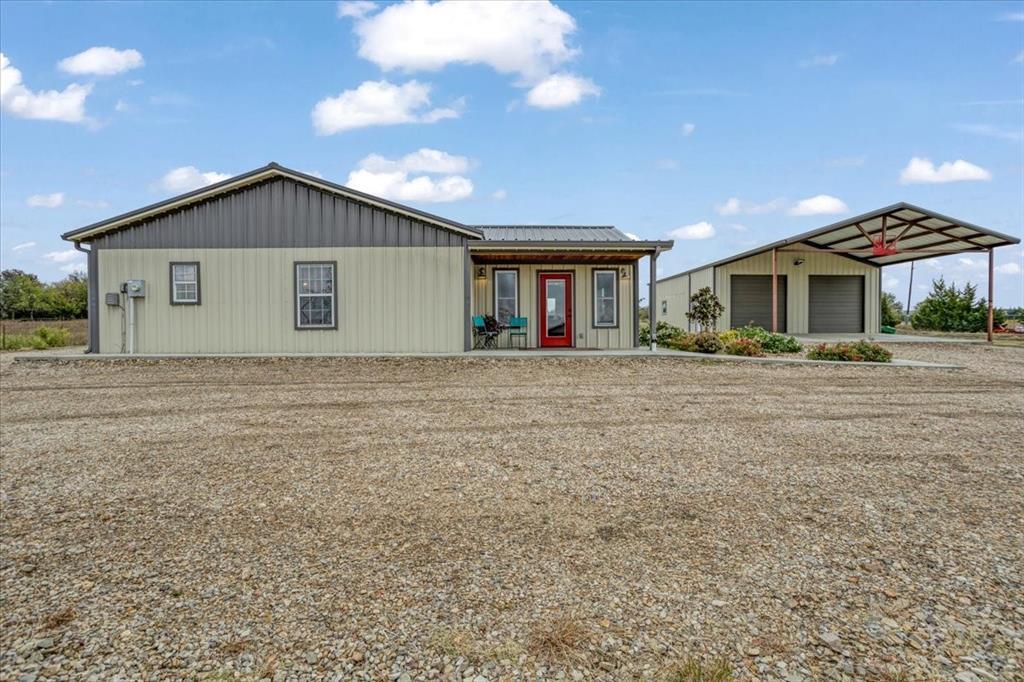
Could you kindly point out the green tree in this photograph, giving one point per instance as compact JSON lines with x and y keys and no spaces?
{"x":68,"y":299}
{"x":21,"y":294}
{"x":892,"y":311}
{"x":950,"y":309}
{"x":705,"y":309}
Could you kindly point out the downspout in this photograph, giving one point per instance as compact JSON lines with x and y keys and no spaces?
{"x":92,"y":297}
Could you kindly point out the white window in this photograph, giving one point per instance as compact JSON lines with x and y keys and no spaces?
{"x":664,"y":307}
{"x":606,"y":303}
{"x":314,"y":296}
{"x":506,"y":295}
{"x":184,"y":283}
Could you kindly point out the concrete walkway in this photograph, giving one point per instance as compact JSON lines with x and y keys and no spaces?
{"x":661,"y":354}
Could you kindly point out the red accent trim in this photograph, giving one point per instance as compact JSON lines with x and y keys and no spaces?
{"x":547,"y":341}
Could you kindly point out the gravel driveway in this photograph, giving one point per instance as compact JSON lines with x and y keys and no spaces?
{"x":504,"y":519}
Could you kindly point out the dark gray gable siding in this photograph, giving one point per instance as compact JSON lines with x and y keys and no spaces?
{"x":279,"y":213}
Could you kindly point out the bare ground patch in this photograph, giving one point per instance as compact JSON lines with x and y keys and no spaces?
{"x":620,"y":518}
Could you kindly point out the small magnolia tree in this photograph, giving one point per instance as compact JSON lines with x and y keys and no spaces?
{"x":705,"y":309}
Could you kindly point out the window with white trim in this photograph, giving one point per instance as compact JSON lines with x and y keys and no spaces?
{"x":506,"y":295}
{"x":185,"y":283}
{"x":314,"y":296}
{"x":606,"y":302}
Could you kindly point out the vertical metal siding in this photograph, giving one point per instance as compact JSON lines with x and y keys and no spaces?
{"x":280,"y":213}
{"x":389,"y":300}
{"x":592,"y":337}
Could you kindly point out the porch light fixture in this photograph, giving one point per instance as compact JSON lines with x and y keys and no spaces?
{"x":481,"y":272}
{"x":798,"y":261}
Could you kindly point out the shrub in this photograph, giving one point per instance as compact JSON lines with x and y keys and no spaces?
{"x":41,"y":339}
{"x":54,"y":336}
{"x":748,"y":347}
{"x":771,"y":342}
{"x":685,"y":341}
{"x":861,"y":351}
{"x":707,"y":342}
{"x":705,"y":309}
{"x":729,"y":336}
{"x":666,"y":333}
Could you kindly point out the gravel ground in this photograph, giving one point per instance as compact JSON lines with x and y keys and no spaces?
{"x":504,"y":519}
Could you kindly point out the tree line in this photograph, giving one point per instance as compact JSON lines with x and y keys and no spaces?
{"x":23,"y":296}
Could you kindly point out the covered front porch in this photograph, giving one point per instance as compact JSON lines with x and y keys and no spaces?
{"x":579,"y":296}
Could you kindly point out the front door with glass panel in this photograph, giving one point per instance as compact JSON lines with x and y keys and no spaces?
{"x":555,"y":309}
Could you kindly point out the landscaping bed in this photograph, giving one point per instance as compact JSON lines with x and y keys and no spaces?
{"x":611,"y":518}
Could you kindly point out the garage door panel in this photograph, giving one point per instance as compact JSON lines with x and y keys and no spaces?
{"x":750,"y":301}
{"x":836,"y":304}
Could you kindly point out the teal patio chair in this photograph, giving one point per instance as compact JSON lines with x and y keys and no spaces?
{"x":517,"y":329}
{"x":483,"y":337}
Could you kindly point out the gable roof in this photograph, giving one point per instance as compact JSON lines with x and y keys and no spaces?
{"x":918,"y":234}
{"x":271,"y":170}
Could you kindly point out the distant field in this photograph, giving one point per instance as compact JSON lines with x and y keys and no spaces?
{"x":1009,"y":340}
{"x":79,"y":328}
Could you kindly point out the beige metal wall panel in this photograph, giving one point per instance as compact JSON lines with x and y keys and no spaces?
{"x":585,"y":334}
{"x":389,"y":299}
{"x":797,"y":300}
{"x":676,"y":293}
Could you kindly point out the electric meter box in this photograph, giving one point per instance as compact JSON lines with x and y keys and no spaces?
{"x":135,"y":288}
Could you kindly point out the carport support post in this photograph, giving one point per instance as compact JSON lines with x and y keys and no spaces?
{"x":991,"y":270}
{"x":775,"y":290}
{"x":652,"y":310}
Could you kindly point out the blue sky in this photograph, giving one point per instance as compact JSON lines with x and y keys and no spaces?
{"x":730,"y":124}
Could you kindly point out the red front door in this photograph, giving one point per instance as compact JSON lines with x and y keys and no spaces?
{"x":555,"y":309}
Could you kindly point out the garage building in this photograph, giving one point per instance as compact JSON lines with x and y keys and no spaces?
{"x":828,"y":280}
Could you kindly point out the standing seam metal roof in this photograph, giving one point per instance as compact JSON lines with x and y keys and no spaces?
{"x":552,"y":233}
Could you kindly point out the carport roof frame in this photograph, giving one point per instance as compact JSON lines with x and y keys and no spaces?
{"x":928,"y":233}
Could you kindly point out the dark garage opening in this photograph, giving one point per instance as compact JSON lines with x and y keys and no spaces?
{"x":750,"y":301}
{"x":836,"y":304}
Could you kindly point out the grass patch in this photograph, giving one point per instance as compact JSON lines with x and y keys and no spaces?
{"x":236,"y":646}
{"x":561,"y":639}
{"x":696,"y":670}
{"x":39,"y":337}
{"x":454,"y":642}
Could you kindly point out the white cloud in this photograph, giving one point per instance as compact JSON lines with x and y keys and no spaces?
{"x":377,"y":103}
{"x":821,"y":204}
{"x":737,"y":227}
{"x":737,"y":206}
{"x":820,"y":60}
{"x":67,"y":256}
{"x":890,"y":282}
{"x":632,"y":236}
{"x":701,"y":230}
{"x":46,"y":200}
{"x":561,"y":90}
{"x":1008,"y":269}
{"x":1012,"y":16}
{"x":529,"y":40}
{"x":666,"y":164}
{"x":923,"y":171}
{"x":687,"y":129}
{"x":986,"y":130}
{"x":357,"y":9}
{"x":524,"y":38}
{"x":101,"y":61}
{"x":394,"y":179}
{"x":122,"y":107}
{"x":1019,"y":59}
{"x":22,"y":246}
{"x":933,"y":263}
{"x":66,"y":105}
{"x":187,"y":178}
{"x":421,"y":161}
{"x":968,"y":262}
{"x":499,"y":195}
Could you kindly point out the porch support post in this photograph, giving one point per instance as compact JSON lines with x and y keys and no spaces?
{"x":991,"y":289}
{"x":652,"y":309}
{"x":636,"y":303}
{"x":775,"y":290}
{"x":467,"y":284}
